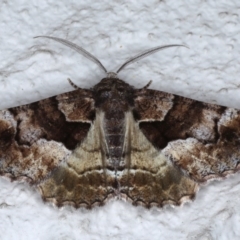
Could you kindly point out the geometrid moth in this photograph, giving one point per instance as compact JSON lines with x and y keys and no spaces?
{"x":86,"y":146}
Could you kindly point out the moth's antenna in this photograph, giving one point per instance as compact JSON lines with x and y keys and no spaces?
{"x":147,"y":53}
{"x":78,"y":49}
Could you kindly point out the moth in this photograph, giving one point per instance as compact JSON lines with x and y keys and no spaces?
{"x":89,"y":145}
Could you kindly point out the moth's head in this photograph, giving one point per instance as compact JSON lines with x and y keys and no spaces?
{"x":111,"y":88}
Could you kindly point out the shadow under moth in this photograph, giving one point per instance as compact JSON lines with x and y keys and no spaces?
{"x":150,"y":147}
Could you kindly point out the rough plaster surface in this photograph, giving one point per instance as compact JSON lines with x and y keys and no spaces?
{"x":32,"y":69}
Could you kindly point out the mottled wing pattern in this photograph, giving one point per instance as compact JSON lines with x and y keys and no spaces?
{"x":171,"y":144}
{"x":82,"y":180}
{"x":200,"y":139}
{"x":150,"y":179}
{"x":39,"y":142}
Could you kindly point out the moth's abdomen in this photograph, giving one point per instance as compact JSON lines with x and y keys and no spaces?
{"x":115,"y":148}
{"x":114,"y":133}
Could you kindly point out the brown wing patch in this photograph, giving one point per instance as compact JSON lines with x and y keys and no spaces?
{"x":201,"y":139}
{"x":36,"y":138}
{"x":43,"y":119}
{"x":82,"y":180}
{"x":65,"y":186}
{"x":31,"y":161}
{"x":147,"y":189}
{"x":151,"y":179}
{"x":151,"y":105}
{"x":77,"y":106}
{"x":203,"y":161}
{"x":186,"y":118}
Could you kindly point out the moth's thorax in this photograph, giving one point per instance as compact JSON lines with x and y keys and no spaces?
{"x":113,"y":94}
{"x":114,"y":98}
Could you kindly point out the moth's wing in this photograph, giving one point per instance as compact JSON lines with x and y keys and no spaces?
{"x":149,"y":178}
{"x":203,"y":140}
{"x":83,"y":179}
{"x":37,"y":140}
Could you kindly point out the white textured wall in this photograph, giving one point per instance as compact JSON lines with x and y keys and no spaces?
{"x":113,"y":31}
